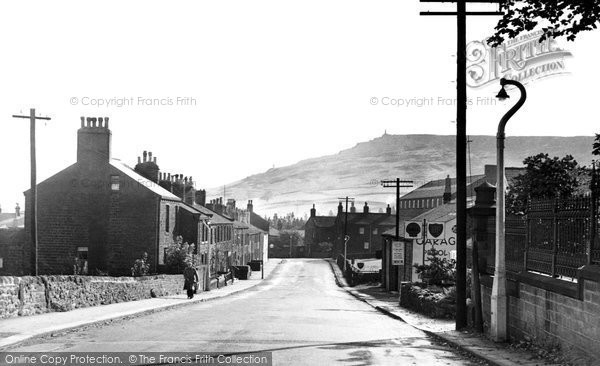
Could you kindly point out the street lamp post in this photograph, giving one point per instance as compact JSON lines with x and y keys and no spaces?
{"x":346,"y":238}
{"x":499,"y":301}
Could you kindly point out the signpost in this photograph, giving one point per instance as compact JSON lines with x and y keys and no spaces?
{"x":397,"y":253}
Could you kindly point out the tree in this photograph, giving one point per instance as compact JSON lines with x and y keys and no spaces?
{"x":557,"y":18}
{"x":596,"y":146}
{"x":544,"y":177}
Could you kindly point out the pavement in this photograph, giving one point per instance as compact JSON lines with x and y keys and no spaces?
{"x":19,"y":329}
{"x":298,"y":314}
{"x":475,"y":344}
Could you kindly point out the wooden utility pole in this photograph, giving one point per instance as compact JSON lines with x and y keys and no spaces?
{"x":346,"y":216}
{"x":398,"y":183}
{"x":33,"y":192}
{"x":461,"y":147}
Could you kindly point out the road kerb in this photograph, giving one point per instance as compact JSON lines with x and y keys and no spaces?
{"x":20,"y":338}
{"x":438,"y":336}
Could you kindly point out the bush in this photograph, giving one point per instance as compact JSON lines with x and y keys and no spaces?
{"x":141,"y":267}
{"x":178,"y":255}
{"x":439,"y":271}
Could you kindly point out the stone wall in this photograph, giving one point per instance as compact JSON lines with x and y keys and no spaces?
{"x":547,"y":317}
{"x":28,"y":295}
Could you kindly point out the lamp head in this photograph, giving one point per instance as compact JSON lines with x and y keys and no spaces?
{"x":502,"y":94}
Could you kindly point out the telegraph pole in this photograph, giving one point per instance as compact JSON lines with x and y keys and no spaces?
{"x":461,"y":147}
{"x":346,"y":220}
{"x":33,"y":192}
{"x":397,"y":183}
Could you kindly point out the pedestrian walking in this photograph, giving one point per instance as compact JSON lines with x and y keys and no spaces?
{"x":191,"y":279}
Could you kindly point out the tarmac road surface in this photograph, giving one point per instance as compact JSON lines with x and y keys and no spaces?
{"x":298,"y":313}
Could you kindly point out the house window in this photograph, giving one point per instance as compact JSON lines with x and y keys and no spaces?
{"x":114,"y":182}
{"x":81,"y":264}
{"x":361,"y":230}
{"x":366,"y":245}
{"x":167,"y":217}
{"x":375,"y":231}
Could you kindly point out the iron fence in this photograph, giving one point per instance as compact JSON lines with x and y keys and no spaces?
{"x":556,"y":237}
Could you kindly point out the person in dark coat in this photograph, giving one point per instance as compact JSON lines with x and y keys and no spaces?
{"x":191,"y":279}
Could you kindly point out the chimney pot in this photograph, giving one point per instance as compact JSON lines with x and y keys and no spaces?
{"x":82,"y":121}
{"x":155,"y":160}
{"x":149,"y":156}
{"x":145,"y":155}
{"x":139,"y":160}
{"x":106,"y":122}
{"x":100,"y":120}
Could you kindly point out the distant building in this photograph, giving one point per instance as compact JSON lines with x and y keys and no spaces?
{"x":438,"y":192}
{"x":12,"y":220}
{"x":319,"y":235}
{"x":364,"y":230}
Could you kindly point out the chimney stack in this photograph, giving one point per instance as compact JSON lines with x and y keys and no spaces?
{"x":17,"y":210}
{"x":340,"y":208}
{"x":148,"y":168}
{"x":366,"y":208}
{"x":250,"y":206}
{"x":388,"y":209}
{"x":200,"y":197}
{"x":352,"y":208}
{"x":313,"y":211}
{"x":93,"y":140}
{"x":447,"y":197}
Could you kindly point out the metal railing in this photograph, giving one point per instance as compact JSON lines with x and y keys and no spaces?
{"x":556,"y":237}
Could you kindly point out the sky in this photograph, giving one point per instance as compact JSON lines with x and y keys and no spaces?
{"x":220,"y":90}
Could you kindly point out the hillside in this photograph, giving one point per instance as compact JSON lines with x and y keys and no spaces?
{"x":356,"y":171}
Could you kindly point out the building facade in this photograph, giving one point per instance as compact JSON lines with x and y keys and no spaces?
{"x":103,"y":213}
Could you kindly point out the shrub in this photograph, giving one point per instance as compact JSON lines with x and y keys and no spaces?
{"x":178,"y":254}
{"x":438,"y":271}
{"x":141,"y":267}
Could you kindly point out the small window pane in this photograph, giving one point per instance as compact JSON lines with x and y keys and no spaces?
{"x":114,"y":182}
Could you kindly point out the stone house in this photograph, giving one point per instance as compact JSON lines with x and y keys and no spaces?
{"x":319,"y":235}
{"x":104,"y":213}
{"x":364,"y":229}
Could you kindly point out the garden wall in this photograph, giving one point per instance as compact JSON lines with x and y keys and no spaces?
{"x":28,"y":295}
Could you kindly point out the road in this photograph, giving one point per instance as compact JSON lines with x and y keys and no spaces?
{"x":298,"y":313}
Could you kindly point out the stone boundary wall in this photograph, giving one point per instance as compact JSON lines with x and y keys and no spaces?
{"x":551,"y":317}
{"x":28,"y":295}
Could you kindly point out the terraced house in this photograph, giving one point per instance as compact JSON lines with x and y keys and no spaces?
{"x":99,"y":215}
{"x":104,"y":214}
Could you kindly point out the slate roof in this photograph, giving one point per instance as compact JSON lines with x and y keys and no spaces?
{"x":441,"y":213}
{"x":216,"y":218}
{"x":240,"y":225}
{"x":324,"y":221}
{"x":435,"y":188}
{"x":392,"y":231}
{"x":13,"y":222}
{"x":148,"y":184}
